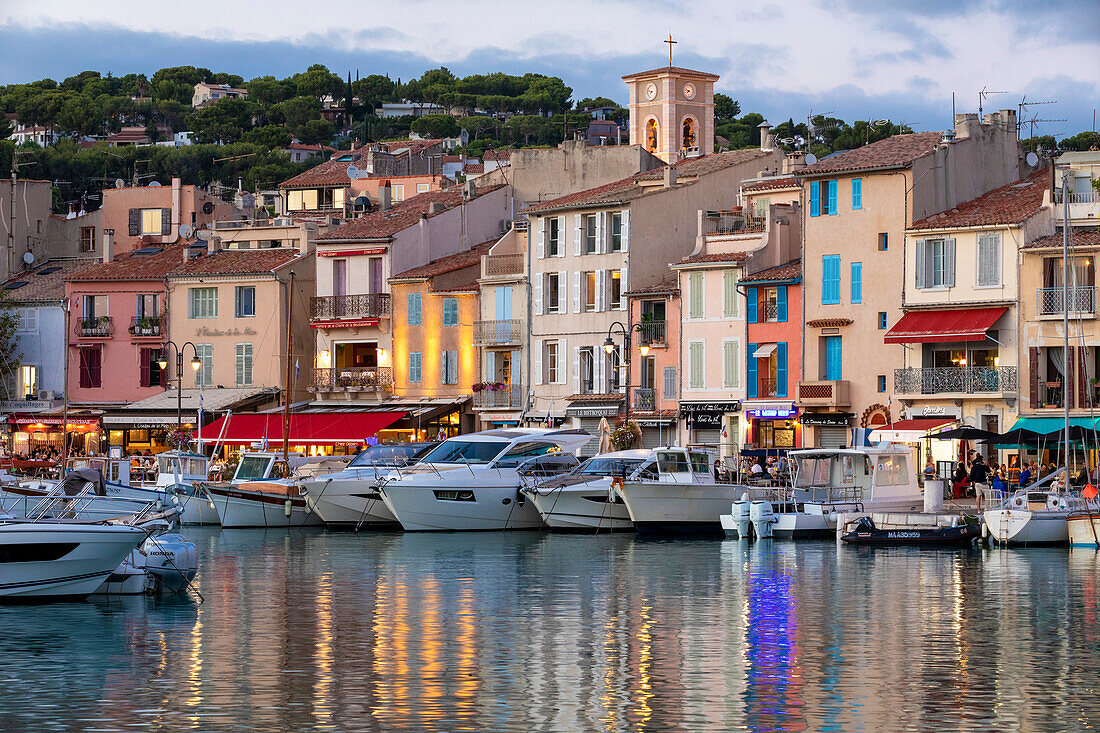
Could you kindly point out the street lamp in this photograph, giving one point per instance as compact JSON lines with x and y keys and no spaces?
{"x":196,"y":364}
{"x":609,"y":348}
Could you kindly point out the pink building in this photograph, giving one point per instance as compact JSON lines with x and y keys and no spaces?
{"x":654,"y":376}
{"x":152,"y":215}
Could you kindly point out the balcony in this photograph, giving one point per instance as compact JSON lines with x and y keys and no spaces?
{"x":506,"y":331}
{"x":1053,"y":301}
{"x":336,"y":307}
{"x":729,"y":223}
{"x":147,"y":327}
{"x":1050,"y":395}
{"x":504,"y":265}
{"x":766,"y":387}
{"x":352,"y":379}
{"x":644,"y":399}
{"x":509,"y":398}
{"x":98,"y":327}
{"x":824,"y":393}
{"x":955,"y":380}
{"x":654,"y":333}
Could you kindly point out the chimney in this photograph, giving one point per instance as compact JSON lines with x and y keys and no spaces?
{"x":765,"y":128}
{"x":469,"y":190}
{"x":670,"y":176}
{"x":307,"y":235}
{"x":214,"y":244}
{"x":435,"y":207}
{"x":108,"y":244}
{"x":384,"y":199}
{"x":794,"y":161}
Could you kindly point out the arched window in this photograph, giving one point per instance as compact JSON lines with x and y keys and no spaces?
{"x":651,"y":135}
{"x":688,"y":140}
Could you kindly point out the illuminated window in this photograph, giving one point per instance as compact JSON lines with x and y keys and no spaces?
{"x":651,"y":135}
{"x":688,"y":134}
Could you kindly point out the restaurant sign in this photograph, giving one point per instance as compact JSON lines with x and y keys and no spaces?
{"x":601,"y":411}
{"x":707,"y":414}
{"x":826,"y":419}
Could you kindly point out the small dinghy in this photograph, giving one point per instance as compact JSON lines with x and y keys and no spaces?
{"x":866,"y":533}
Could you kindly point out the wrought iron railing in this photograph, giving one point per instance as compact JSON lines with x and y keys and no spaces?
{"x":506,"y":331}
{"x":768,"y":313}
{"x":645,"y":399}
{"x":654,"y":332}
{"x":332,"y":307}
{"x":728,"y":223}
{"x":1050,"y":394}
{"x":147,"y":326}
{"x":97,"y":327}
{"x":766,"y":387}
{"x":500,"y":265}
{"x":511,"y":397}
{"x":354,"y":378}
{"x":965,"y":380}
{"x":1051,"y":301}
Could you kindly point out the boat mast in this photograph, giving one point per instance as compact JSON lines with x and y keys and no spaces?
{"x":1065,"y":321}
{"x":65,"y":399}
{"x":289,"y":391}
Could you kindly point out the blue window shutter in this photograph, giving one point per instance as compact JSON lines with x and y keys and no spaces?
{"x":857,"y":193}
{"x":781,"y":369}
{"x":752,"y":385}
{"x":832,"y":197}
{"x":833,"y":358}
{"x":857,"y":282}
{"x":815,"y":198}
{"x":781,"y":304}
{"x":751,"y":293}
{"x":830,"y":280}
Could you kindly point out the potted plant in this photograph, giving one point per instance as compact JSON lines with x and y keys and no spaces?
{"x":626,"y":435}
{"x":179,"y":439}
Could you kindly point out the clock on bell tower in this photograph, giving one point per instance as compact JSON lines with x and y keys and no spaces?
{"x":672,"y":112}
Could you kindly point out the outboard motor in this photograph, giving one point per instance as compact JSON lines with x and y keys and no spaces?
{"x":763,"y":517}
{"x":172,"y":560}
{"x":741,"y":518}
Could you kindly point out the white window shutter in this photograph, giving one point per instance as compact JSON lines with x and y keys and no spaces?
{"x":517,"y":372}
{"x":536,"y":294}
{"x":598,"y":358}
{"x":624,"y":286}
{"x":540,"y":250}
{"x":562,"y":346}
{"x":949,"y":263}
{"x":561,"y":236}
{"x":576,"y":292}
{"x":920,"y":267}
{"x":576,"y":370}
{"x":601,"y":291}
{"x":577,"y":235}
{"x":599,"y":233}
{"x":562,"y":288}
{"x":626,"y":231}
{"x":536,"y":362}
{"x":490,"y":366}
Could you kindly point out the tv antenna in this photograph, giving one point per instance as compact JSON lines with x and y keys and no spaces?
{"x":982,"y":96}
{"x":1036,"y":121}
{"x":1022,"y":108}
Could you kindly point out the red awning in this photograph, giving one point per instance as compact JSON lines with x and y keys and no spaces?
{"x":335,"y":427}
{"x":922,"y":327}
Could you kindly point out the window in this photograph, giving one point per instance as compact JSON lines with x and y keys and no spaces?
{"x":833,"y":358}
{"x":695,"y":364}
{"x":145,"y":306}
{"x":553,"y":292}
{"x":730,"y":295}
{"x":771,"y":304}
{"x":450,"y":367}
{"x":857,"y":282}
{"x":245,"y":297}
{"x":26,"y":320}
{"x":882,"y":320}
{"x":935,"y":263}
{"x":91,"y":374}
{"x":450,"y":311}
{"x":616,"y":300}
{"x":28,"y":382}
{"x":830,"y":280}
{"x":614,"y":365}
{"x":204,"y":376}
{"x":590,"y":234}
{"x":989,"y":260}
{"x":151,"y":375}
{"x":151,"y":223}
{"x":616,"y":232}
{"x":883,"y":241}
{"x":416,"y":363}
{"x":244,"y":365}
{"x":815,"y":198}
{"x":204,"y":302}
{"x":828,"y":202}
{"x":588,"y":369}
{"x":398,"y":192}
{"x":553,"y":237}
{"x":822,"y":198}
{"x":423,"y":187}
{"x":760,"y":207}
{"x":87,"y":239}
{"x":695,"y":285}
{"x":93,"y":307}
{"x":415,"y":310}
{"x":857,"y":193}
{"x":589,"y":292}
{"x":670,"y":383}
{"x":550,"y":354}
{"x":882,"y":383}
{"x":731,"y":364}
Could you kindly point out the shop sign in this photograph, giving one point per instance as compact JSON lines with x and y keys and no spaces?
{"x":604,"y":411}
{"x":499,"y":416}
{"x":653,"y":422}
{"x":707,"y":414}
{"x":932,"y":411}
{"x":827,"y":419}
{"x":17,"y":405}
{"x":347,"y":252}
{"x":773,"y":413}
{"x":55,"y":421}
{"x":204,"y":331}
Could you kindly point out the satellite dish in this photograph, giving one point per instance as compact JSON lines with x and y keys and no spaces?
{"x":811,"y":159}
{"x":154,"y":184}
{"x":119,"y":183}
{"x":28,"y":258}
{"x":202,"y":235}
{"x":186,"y":231}
{"x":208,"y":208}
{"x":353,"y":172}
{"x":1032,"y":159}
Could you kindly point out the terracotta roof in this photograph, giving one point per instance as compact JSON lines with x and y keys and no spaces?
{"x":333,"y":172}
{"x":497,"y":155}
{"x":45,"y":282}
{"x":659,"y":288}
{"x":790,"y":271}
{"x":468,"y":287}
{"x":404,"y":214}
{"x":155,"y":264}
{"x":606,"y":397}
{"x":829,"y":322}
{"x":312,"y":148}
{"x":1079,"y":237}
{"x":236,"y":262}
{"x":443,"y":265}
{"x":1012,"y":204}
{"x":475,"y":168}
{"x":628,"y":189}
{"x":714,"y":257}
{"x":896,"y":151}
{"x":774,"y":184}
{"x":672,"y":70}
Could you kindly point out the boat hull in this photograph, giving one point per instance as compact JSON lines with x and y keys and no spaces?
{"x":958,"y":536}
{"x":349,"y":504}
{"x":1026,"y":527}
{"x":55,"y":571}
{"x":239,"y":509}
{"x":492,"y":508}
{"x":581,"y":509}
{"x":1083,"y":530}
{"x":681,"y":508}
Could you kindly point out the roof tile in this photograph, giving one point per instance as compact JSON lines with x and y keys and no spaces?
{"x":404,"y":214}
{"x":896,"y":151}
{"x":1014,"y":203}
{"x":443,"y":265}
{"x":789,"y":271}
{"x":1079,"y":237}
{"x":237,"y":262}
{"x":773,"y":184}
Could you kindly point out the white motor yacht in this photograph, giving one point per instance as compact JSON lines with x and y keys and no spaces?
{"x":262,"y":493}
{"x":584,"y":499}
{"x":1039,"y":515}
{"x":675,"y":491}
{"x":350,"y":498}
{"x":472,"y":482}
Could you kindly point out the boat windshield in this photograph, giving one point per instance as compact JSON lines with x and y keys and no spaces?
{"x":813,"y":471}
{"x":387,"y":454}
{"x":252,"y":468}
{"x":672,"y":462}
{"x":819,"y":471}
{"x":700,"y":463}
{"x":517,"y":454}
{"x":465,"y":451}
{"x":609,"y":466}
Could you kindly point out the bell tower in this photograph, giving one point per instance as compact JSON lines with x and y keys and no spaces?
{"x":672,"y":111}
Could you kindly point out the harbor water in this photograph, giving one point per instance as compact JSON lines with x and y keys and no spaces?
{"x":316,"y":630}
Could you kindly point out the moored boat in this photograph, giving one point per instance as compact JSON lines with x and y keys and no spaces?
{"x":585,"y":499}
{"x":261,"y":494}
{"x":866,"y":532}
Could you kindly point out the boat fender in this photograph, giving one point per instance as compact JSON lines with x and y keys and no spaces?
{"x":287,"y":507}
{"x":985,"y":531}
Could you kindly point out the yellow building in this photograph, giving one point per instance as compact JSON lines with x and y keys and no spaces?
{"x":434,"y":359}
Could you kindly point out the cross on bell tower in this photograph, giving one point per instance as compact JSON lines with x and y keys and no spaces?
{"x":670,"y":43}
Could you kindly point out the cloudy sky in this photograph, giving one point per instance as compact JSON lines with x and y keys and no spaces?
{"x":857,"y":59}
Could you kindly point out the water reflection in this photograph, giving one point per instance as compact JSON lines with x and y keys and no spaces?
{"x":529,"y":631}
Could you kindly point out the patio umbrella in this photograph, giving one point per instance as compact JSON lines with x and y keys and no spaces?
{"x":966,"y":432}
{"x":1017,"y":437}
{"x":605,"y":436}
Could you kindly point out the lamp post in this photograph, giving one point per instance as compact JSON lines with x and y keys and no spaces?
{"x":609,"y":349}
{"x":196,"y":364}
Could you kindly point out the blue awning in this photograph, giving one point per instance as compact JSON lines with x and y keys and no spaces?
{"x":1045,"y":425}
